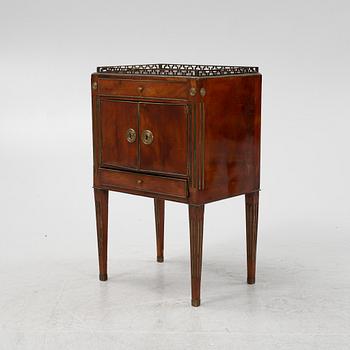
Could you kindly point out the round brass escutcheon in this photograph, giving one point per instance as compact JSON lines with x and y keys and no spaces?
{"x":94,"y":85}
{"x":131,"y":135}
{"x":147,"y":137}
{"x":193,"y":91}
{"x":202,"y":91}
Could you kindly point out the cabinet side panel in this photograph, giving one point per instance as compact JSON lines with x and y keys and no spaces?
{"x":94,"y":109}
{"x":232,"y":136}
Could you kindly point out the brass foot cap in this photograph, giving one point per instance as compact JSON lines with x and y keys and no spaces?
{"x":251,"y":280}
{"x":103,"y":277}
{"x":196,"y":302}
{"x":160,"y":258}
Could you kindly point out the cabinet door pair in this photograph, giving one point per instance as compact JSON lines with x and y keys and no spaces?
{"x":152,"y":137}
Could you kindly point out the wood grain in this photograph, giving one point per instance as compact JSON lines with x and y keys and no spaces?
{"x":101,"y":206}
{"x":252,"y":209}
{"x":159,"y":221}
{"x":196,"y":216}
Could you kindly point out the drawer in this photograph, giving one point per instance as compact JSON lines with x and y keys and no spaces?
{"x":145,"y":183}
{"x":142,"y":88}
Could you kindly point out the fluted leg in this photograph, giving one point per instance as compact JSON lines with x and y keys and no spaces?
{"x":252,"y":208}
{"x":196,"y":214}
{"x":101,"y":206}
{"x":159,"y":217}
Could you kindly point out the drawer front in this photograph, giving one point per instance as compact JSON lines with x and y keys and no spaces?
{"x":160,"y":89}
{"x":144,"y":183}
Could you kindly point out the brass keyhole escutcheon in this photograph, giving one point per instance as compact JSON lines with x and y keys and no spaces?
{"x":147,"y":137}
{"x":131,"y":135}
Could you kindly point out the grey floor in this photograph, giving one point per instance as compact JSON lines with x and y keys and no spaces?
{"x":301,"y":299}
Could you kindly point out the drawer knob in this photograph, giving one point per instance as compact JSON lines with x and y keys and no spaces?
{"x":140,"y":88}
{"x":193,"y":91}
{"x":147,"y":137}
{"x":94,"y":85}
{"x":131,"y":135}
{"x":139,"y":182}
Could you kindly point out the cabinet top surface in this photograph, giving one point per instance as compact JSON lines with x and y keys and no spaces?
{"x":181,"y":70}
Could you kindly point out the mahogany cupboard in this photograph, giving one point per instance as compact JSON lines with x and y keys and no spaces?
{"x":186,"y":133}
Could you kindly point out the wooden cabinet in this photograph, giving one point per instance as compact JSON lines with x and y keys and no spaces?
{"x":185,"y":133}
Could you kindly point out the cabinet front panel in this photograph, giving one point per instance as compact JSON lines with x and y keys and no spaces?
{"x":118,"y":133}
{"x":164,"y":138}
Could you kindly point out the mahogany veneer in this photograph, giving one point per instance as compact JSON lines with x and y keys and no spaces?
{"x":185,"y":133}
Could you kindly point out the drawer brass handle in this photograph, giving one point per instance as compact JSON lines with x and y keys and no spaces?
{"x":147,"y":137}
{"x":131,"y":135}
{"x":139,"y":182}
{"x":140,"y":88}
{"x":193,"y":91}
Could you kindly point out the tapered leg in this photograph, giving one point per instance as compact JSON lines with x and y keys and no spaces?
{"x":196,"y":215}
{"x":252,"y":209}
{"x":101,"y":206}
{"x":159,"y":217}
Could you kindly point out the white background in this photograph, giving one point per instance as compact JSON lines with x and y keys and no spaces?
{"x":49,"y":293}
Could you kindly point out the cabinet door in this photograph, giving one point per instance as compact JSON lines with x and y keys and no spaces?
{"x":119,"y":133}
{"x":164,"y":138}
